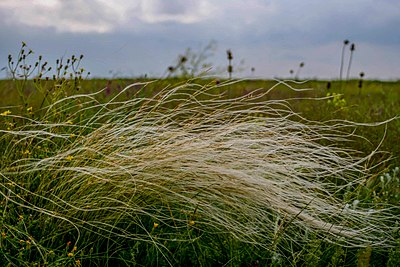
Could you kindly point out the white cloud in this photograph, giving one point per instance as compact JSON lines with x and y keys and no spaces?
{"x":78,"y":16}
{"x":102,"y":16}
{"x":181,"y":11}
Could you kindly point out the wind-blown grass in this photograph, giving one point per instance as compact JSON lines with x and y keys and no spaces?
{"x":186,"y":167}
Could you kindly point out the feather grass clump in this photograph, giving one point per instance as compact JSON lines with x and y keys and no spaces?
{"x":188,"y":164}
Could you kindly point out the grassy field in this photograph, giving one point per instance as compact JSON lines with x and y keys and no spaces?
{"x":199,"y":173}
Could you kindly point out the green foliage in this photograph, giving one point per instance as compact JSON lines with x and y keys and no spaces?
{"x":337,"y":100}
{"x":94,"y":182}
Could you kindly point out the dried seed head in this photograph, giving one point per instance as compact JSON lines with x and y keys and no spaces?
{"x":229,"y":54}
{"x":362,"y":74}
{"x":183,"y":59}
{"x":352,"y":47}
{"x":328,"y":85}
{"x":346,"y":42}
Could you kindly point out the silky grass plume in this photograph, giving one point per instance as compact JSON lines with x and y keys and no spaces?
{"x":187,"y":166}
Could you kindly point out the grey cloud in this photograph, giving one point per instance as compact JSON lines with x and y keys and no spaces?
{"x":274,"y":36}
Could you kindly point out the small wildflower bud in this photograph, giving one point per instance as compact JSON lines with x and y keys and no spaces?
{"x":69,"y":243}
{"x":69,"y":158}
{"x":9,"y":58}
{"x":3,"y":234}
{"x":40,"y":57}
{"x":36,"y":64}
{"x":191,"y":222}
{"x":75,"y":248}
{"x":346,"y":42}
{"x":352,"y":47}
{"x":70,"y":254}
{"x":23,"y":44}
{"x":23,"y":52}
{"x":68,"y":60}
{"x":5,"y":113}
{"x":49,"y":69}
{"x":78,"y":263}
{"x":57,"y":61}
{"x":28,"y":244}
{"x":81,"y":57}
{"x":30,"y":51}
{"x":155,"y":225}
{"x":73,"y":57}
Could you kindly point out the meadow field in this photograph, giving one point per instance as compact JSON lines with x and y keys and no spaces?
{"x":199,"y":172}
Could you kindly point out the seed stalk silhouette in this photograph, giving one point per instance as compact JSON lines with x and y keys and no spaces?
{"x":352,"y":48}
{"x":230,"y":67}
{"x":345,"y":43}
{"x":301,"y":65}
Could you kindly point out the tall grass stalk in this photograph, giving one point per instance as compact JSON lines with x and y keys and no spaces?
{"x":345,"y":43}
{"x":185,"y":165}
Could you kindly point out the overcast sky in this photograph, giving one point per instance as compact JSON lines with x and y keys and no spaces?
{"x":138,"y":37}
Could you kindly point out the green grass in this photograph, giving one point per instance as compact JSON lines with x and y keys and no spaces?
{"x":192,"y":173}
{"x":196,"y":173}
